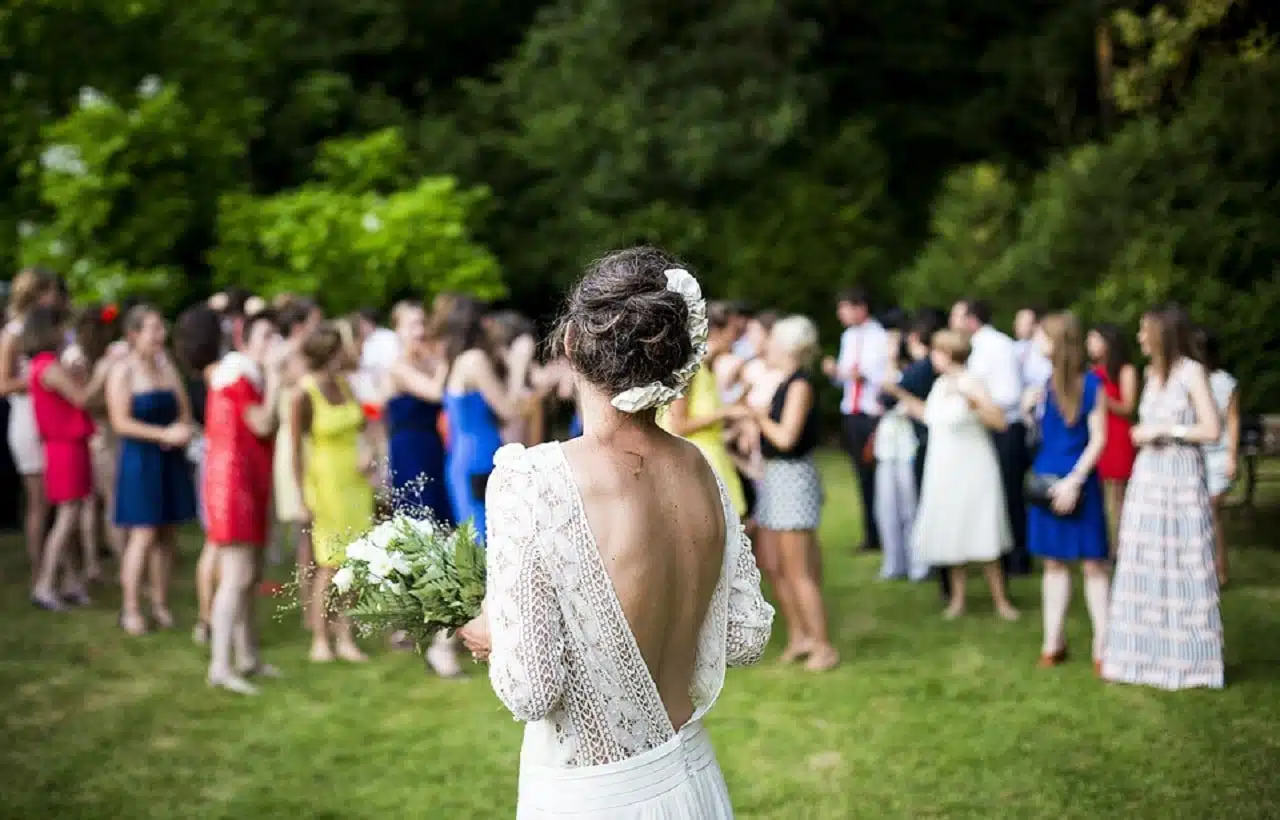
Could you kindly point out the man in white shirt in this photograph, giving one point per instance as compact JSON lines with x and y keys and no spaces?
{"x":1036,"y":370}
{"x":860,"y":368}
{"x":994,"y":358}
{"x":379,"y":349}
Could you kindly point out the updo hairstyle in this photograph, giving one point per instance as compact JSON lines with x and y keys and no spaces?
{"x":621,"y":327}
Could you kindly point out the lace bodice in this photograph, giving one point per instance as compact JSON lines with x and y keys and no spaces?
{"x":563,"y":656}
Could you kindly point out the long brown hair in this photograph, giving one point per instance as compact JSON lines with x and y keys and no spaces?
{"x":27,"y":288}
{"x":1063,"y":331}
{"x":1168,"y":338}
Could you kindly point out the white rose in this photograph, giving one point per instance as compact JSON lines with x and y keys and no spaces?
{"x":384,"y":534}
{"x":383,"y":563}
{"x":343,"y":579}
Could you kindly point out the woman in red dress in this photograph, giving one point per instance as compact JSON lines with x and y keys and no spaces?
{"x":1110,"y":357}
{"x":58,"y":399}
{"x":240,"y":422}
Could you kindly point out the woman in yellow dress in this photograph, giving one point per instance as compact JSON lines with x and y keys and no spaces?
{"x":701,"y":415}
{"x":334,"y":480}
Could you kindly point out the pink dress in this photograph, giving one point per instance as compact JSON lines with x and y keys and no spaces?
{"x":65,"y":431}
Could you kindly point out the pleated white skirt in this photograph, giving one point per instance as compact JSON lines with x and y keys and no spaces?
{"x":679,"y":780}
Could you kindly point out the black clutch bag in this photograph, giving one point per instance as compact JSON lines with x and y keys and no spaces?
{"x":1035,"y":490}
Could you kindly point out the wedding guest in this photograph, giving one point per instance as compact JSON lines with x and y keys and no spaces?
{"x":296,"y":320}
{"x":333,"y":479}
{"x":1220,"y":456}
{"x":860,"y":369}
{"x":699,"y":415}
{"x":961,"y":477}
{"x":32,"y":288}
{"x":896,"y":449}
{"x":1069,"y":525}
{"x":1110,"y":357}
{"x":147,"y":406}
{"x":58,"y":399}
{"x":790,"y":492}
{"x":994,"y":361}
{"x":1164,"y":627}
{"x":241,"y":419}
{"x":198,"y":342}
{"x":477,"y":399}
{"x":1033,"y":366}
{"x":514,"y":337}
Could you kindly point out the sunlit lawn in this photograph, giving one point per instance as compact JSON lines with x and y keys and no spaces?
{"x":924,"y":719}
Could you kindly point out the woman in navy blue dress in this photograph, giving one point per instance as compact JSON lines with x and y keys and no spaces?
{"x":415,"y":386}
{"x":149,"y":411}
{"x":1073,"y":527}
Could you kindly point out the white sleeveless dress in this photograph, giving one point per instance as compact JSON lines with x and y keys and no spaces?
{"x":598,"y":741}
{"x":23,"y":437}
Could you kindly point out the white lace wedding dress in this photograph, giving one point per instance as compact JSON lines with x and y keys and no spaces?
{"x":598,"y":741}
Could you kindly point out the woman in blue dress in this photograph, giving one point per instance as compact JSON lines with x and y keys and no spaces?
{"x":477,"y":402}
{"x":149,"y":411}
{"x":415,"y":385}
{"x":1073,"y":526}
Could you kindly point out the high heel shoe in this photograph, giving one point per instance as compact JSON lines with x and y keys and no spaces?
{"x":162,"y":616}
{"x":1048,"y":660}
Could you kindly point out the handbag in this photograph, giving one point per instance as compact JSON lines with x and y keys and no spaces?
{"x":1035,"y":490}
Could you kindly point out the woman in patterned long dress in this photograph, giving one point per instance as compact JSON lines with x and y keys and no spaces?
{"x":1165,"y":629}
{"x":621,"y":584}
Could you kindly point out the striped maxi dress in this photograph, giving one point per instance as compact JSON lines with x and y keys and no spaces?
{"x":1165,"y":629}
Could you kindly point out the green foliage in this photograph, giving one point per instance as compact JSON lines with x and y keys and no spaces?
{"x":123,"y":184}
{"x":972,"y":226}
{"x":345,"y":241}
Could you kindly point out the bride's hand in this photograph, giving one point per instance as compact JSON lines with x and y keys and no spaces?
{"x":475,"y":637}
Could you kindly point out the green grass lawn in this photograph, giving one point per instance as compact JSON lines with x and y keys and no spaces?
{"x":924,"y":719}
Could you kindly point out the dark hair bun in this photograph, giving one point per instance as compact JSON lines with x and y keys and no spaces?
{"x":624,"y":327}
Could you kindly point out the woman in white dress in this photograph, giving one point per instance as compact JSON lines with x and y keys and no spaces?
{"x":961,"y":519}
{"x":31,"y":288}
{"x":620,"y":582}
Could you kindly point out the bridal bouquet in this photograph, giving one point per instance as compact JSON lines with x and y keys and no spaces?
{"x":411,"y":574}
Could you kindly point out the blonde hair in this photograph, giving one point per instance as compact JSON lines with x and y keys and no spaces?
{"x":27,"y":288}
{"x":1063,"y":331}
{"x":954,"y":343}
{"x":402,"y":310}
{"x":799,"y":335}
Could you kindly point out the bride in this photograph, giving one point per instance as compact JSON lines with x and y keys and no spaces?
{"x":620,"y":582}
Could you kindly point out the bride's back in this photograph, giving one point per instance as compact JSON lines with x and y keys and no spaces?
{"x":655,"y":513}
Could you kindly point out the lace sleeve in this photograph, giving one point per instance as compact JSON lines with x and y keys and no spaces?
{"x":526,"y":661}
{"x":750,"y":617}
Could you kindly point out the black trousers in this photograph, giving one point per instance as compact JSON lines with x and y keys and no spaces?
{"x":857,"y":429}
{"x":1015,"y":460}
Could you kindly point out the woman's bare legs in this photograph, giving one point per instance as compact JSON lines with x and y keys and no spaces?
{"x":1055,"y":593}
{"x":799,"y":644}
{"x":54,"y":557}
{"x":1219,"y":538}
{"x":958,"y":576}
{"x":325,"y":619}
{"x":89,"y":546}
{"x":132,"y":567}
{"x":797,"y":552}
{"x":35,"y":514}
{"x":306,"y":575}
{"x":1097,"y":598}
{"x":995,"y":581}
{"x":207,"y":568}
{"x":235,"y":570}
{"x":160,"y":567}
{"x":1113,"y":494}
